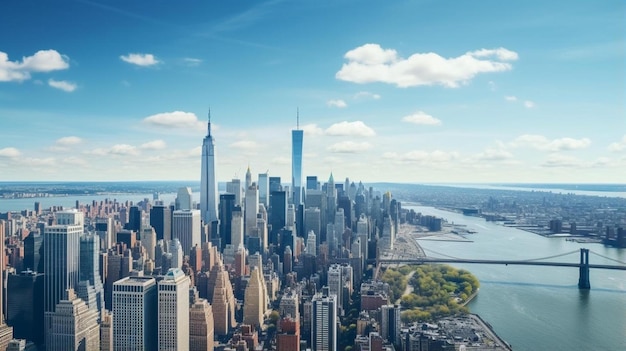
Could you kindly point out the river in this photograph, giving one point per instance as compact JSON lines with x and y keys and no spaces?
{"x":535,"y":307}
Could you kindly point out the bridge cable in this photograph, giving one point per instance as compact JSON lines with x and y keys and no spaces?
{"x":526,"y":260}
{"x":439,"y":253}
{"x":608,"y":258}
{"x":549,"y":257}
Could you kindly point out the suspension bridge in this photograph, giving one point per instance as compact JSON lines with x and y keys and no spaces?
{"x":583,"y":265}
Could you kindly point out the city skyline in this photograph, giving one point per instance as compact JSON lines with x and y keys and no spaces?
{"x":502,"y":92}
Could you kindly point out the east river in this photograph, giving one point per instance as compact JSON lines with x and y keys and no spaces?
{"x":539,"y":307}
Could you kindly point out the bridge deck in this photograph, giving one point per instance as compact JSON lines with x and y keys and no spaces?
{"x":505,"y":262}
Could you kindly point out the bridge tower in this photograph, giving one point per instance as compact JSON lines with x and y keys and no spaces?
{"x":583,"y":276}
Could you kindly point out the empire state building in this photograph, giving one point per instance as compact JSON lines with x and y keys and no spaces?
{"x":208,"y":183}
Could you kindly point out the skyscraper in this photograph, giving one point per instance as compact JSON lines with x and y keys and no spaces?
{"x":264,"y":187}
{"x":252,"y":208}
{"x":186,"y":227}
{"x":135,"y":314}
{"x":254,"y":304}
{"x":227,"y":204}
{"x":174,"y":311}
{"x":61,"y":244}
{"x":161,"y":221}
{"x":297,"y":136}
{"x":278,"y":214}
{"x":390,"y":323}
{"x":6,"y":332}
{"x":184,"y":199}
{"x":90,"y":287}
{"x":208,"y":182}
{"x":201,"y":326}
{"x":324,"y":321}
{"x":335,"y":283}
{"x":74,"y":326}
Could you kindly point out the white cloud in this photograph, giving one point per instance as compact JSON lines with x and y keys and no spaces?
{"x":41,"y":61}
{"x":540,"y":142}
{"x":618,"y":146}
{"x":123,"y":149}
{"x":345,"y":128}
{"x":143,"y":60}
{"x":510,"y":98}
{"x":425,"y":157}
{"x":10,"y":152}
{"x":175,"y":119}
{"x":117,"y":149}
{"x":422,"y":118}
{"x":371,"y":63}
{"x":248,"y":145}
{"x":366,"y":95}
{"x":492,"y":85}
{"x":529,"y":104}
{"x":349,"y":147}
{"x":75,"y":161}
{"x":494,"y":155}
{"x":68,"y":141}
{"x":38,"y":162}
{"x":312,"y":129}
{"x":62,"y":85}
{"x":154,"y":145}
{"x":557,"y":160}
{"x":190,"y":61}
{"x":336,"y":103}
{"x":281,"y":161}
{"x":196,"y":151}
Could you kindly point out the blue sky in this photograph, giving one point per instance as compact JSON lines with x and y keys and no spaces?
{"x":407,"y":91}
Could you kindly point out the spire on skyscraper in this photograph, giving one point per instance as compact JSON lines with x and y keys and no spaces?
{"x":209,"y":123}
{"x":297,"y":118}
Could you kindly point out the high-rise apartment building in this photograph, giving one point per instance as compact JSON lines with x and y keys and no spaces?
{"x":173,"y":311}
{"x":186,"y":227}
{"x":324,"y":321}
{"x":135,"y":314}
{"x":74,"y":326}
{"x":390,"y":323}
{"x":208,"y":180}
